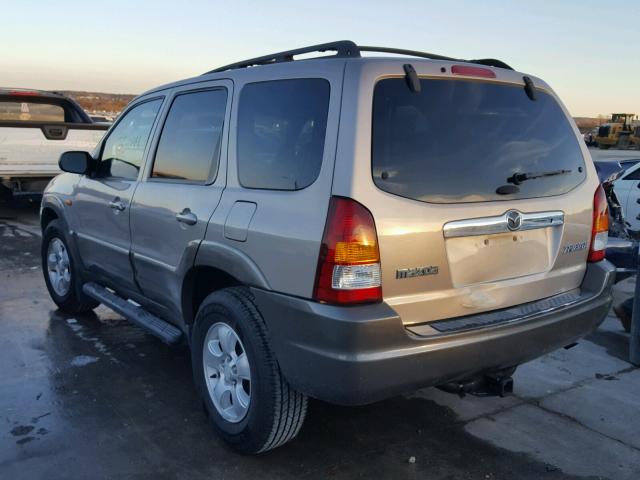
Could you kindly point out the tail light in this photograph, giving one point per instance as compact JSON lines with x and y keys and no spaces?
{"x":349,"y":263}
{"x":600,"y":228}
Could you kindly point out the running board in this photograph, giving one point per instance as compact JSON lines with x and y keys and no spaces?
{"x":134,"y":313}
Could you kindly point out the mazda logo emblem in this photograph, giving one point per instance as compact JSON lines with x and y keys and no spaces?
{"x":514,"y":220}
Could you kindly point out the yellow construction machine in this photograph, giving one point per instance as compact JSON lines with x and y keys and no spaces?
{"x":621,"y":132}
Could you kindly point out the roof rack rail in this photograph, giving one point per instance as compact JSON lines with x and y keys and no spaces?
{"x":343,"y":48}
{"x":490,"y":62}
{"x":411,"y":53}
{"x":347,"y":48}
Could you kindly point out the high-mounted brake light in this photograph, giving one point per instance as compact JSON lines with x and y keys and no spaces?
{"x":24,"y":93}
{"x":468,"y":71}
{"x":600,"y":228}
{"x":349,"y":263}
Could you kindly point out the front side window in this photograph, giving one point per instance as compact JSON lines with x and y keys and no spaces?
{"x":281,"y":133}
{"x":123,"y":150}
{"x":189,"y":146}
{"x":470,"y":141}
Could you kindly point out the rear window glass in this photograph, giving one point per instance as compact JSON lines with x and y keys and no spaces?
{"x":471,"y":141}
{"x":31,"y":112}
{"x":281,"y":133}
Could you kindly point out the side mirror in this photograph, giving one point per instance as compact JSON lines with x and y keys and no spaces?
{"x":75,"y":162}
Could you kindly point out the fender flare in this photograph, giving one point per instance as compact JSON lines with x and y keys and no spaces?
{"x":54,"y":203}
{"x":232,"y":261}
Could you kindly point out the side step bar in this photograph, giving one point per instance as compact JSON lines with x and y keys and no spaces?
{"x":135,"y":314}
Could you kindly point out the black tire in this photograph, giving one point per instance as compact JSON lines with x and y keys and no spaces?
{"x":74,"y":301}
{"x":276,"y":411}
{"x":5,"y":194}
{"x":624,"y":317}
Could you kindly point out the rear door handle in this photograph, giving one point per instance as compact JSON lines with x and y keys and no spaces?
{"x":117,"y":204}
{"x":185,"y":216}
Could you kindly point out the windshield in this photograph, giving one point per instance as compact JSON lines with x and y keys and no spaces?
{"x":465,"y":141}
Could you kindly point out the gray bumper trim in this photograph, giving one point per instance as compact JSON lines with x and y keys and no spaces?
{"x":501,"y":317}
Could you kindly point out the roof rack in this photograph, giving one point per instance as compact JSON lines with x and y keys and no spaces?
{"x":347,"y":48}
{"x":343,"y":48}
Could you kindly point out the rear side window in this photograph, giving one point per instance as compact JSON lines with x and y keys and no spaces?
{"x":189,"y":146}
{"x":470,"y":141}
{"x":31,"y":112}
{"x":281,"y":133}
{"x":635,"y":175}
{"x":124,"y":147}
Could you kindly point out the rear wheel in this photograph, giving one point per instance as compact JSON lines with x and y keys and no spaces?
{"x":61,"y":273}
{"x":251,"y":406}
{"x":5,"y":194}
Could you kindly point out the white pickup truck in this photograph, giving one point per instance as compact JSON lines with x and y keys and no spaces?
{"x":35,"y":128}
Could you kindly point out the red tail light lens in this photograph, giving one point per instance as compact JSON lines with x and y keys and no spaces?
{"x":600,"y":228}
{"x":349,"y":263}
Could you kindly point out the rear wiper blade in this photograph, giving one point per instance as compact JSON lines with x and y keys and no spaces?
{"x":518,"y":178}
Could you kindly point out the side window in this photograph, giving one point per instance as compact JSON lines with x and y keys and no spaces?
{"x":189,"y":146}
{"x":124,"y":148}
{"x":281,"y":133}
{"x":635,"y":175}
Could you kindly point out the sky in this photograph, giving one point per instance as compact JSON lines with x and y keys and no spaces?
{"x":587,"y":50}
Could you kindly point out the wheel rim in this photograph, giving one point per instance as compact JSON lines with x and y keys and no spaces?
{"x":58,"y":267}
{"x":227,"y":372}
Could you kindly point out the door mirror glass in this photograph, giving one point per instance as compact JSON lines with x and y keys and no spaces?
{"x":75,"y":162}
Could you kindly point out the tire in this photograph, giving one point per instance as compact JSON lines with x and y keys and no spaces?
{"x":275,"y":411}
{"x":70,"y":299}
{"x":5,"y":194}
{"x":624,"y":317}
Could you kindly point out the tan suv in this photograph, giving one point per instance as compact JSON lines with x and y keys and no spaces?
{"x":346,"y":228}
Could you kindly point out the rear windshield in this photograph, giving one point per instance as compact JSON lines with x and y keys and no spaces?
{"x":31,"y":112}
{"x":471,"y":141}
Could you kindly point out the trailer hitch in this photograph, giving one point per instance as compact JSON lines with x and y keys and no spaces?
{"x":488,"y":385}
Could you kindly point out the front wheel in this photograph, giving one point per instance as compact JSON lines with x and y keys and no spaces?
{"x":61,"y":273}
{"x":251,"y":406}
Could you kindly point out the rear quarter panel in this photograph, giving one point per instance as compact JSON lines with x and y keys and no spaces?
{"x":284,"y":234}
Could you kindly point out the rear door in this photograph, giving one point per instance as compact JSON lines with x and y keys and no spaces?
{"x":183,"y":183}
{"x":103,"y":200}
{"x":480,"y":194}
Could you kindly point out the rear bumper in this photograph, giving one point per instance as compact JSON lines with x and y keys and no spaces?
{"x":358,"y":355}
{"x":623,"y":254}
{"x":25,"y":186}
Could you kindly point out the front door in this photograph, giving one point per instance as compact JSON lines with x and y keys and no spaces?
{"x":182,"y":186}
{"x":103,"y":199}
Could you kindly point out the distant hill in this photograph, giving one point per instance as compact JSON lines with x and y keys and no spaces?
{"x":100,"y":103}
{"x":587,"y":123}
